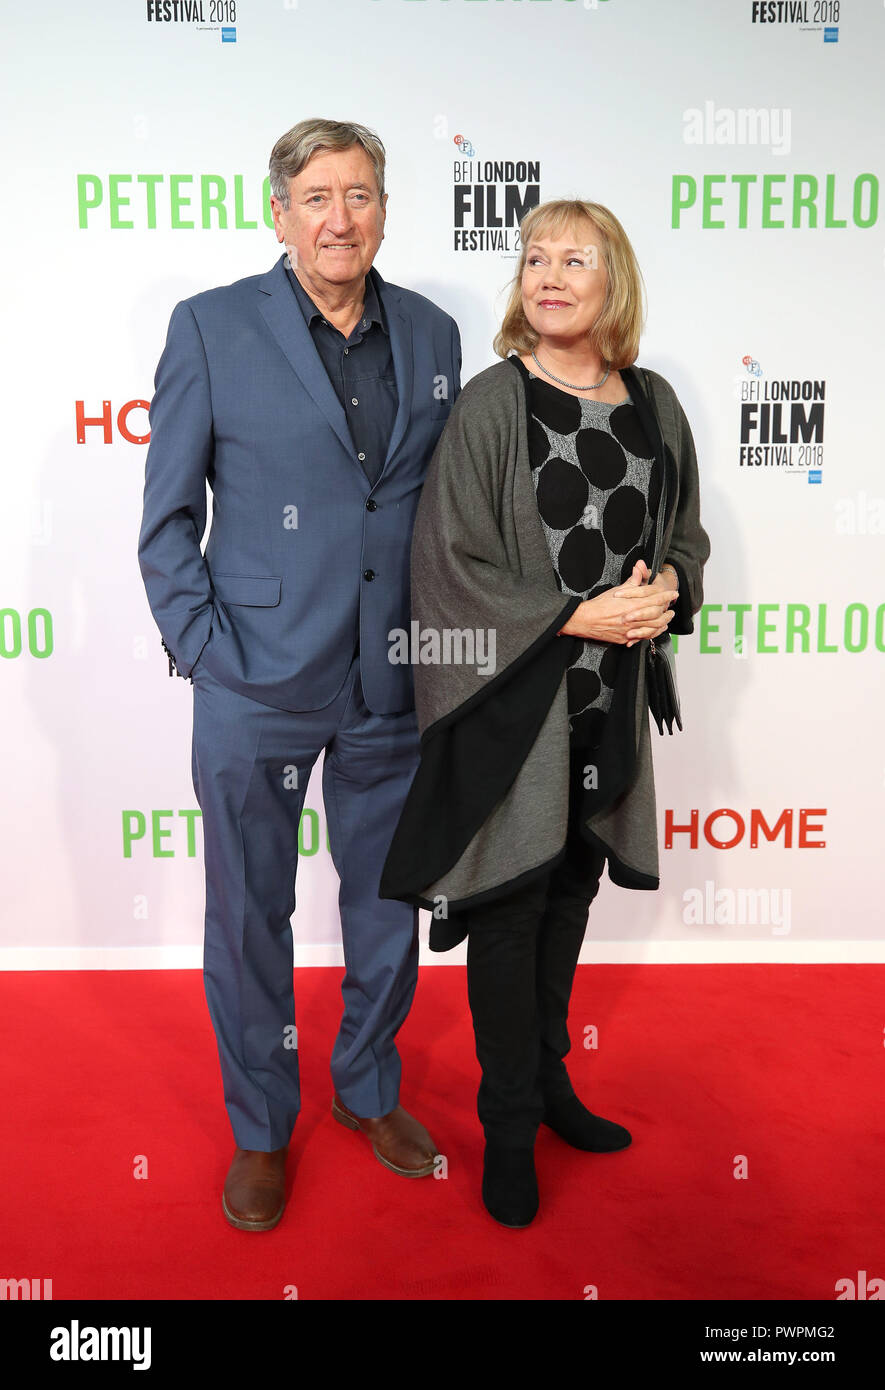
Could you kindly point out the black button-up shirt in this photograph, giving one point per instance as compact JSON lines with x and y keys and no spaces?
{"x":361,"y":370}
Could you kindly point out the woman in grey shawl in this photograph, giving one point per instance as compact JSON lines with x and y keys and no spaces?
{"x":557,"y":543}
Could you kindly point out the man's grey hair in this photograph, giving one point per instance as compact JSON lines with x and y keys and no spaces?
{"x":294,"y":149}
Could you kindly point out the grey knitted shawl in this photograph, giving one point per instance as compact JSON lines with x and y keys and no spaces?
{"x":489,"y":804}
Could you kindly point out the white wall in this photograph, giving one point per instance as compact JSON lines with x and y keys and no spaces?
{"x":599,"y":94}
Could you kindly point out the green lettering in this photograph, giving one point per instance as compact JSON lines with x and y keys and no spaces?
{"x":707,"y":627}
{"x":36,"y":647}
{"x":85,"y":203}
{"x":798,"y":618}
{"x":864,"y":632}
{"x":684,"y":195}
{"x":150,"y":182}
{"x":829,"y":219}
{"x":860,"y":182}
{"x":216,"y":202}
{"x":115,"y":200}
{"x":707,"y":219}
{"x":190,"y":818}
{"x":743,"y":182}
{"x":738,"y":609}
{"x":800,"y":200}
{"x":10,"y":645}
{"x":159,"y":835}
{"x":268,"y":210}
{"x":821,"y":629}
{"x":134,"y":826}
{"x":177,"y":200}
{"x":769,"y":199}
{"x":763,"y":628}
{"x":313,"y":821}
{"x":239,"y":217}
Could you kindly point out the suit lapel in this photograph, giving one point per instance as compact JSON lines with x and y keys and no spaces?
{"x":400,"y":329}
{"x":283,"y":317}
{"x":280,"y":311}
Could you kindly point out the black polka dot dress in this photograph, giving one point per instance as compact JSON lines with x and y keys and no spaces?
{"x":597,"y":488}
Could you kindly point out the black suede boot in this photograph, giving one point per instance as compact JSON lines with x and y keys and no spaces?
{"x":503,"y":1003}
{"x":578,"y":1126}
{"x":509,"y":1184}
{"x":573,"y":887}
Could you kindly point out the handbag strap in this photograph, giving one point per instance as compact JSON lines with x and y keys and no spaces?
{"x":647,"y":408}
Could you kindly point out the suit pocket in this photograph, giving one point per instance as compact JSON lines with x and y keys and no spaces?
{"x":252,"y":591}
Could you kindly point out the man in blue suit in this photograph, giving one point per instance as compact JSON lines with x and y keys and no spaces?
{"x":310,"y":398}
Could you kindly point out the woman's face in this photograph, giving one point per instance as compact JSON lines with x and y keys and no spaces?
{"x":563,"y":284}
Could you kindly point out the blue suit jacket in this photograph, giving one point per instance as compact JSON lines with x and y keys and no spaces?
{"x":303,"y":555}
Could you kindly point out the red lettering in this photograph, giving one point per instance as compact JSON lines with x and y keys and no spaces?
{"x":723,"y":844}
{"x":806,"y":829}
{"x":758,"y":822}
{"x":671,"y":829}
{"x":123,"y":417}
{"x":103,"y":419}
{"x":810,"y":828}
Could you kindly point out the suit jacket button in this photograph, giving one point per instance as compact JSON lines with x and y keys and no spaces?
{"x":368,"y":574}
{"x":371,"y":505}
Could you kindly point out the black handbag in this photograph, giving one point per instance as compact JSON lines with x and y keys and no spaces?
{"x":660,"y":680}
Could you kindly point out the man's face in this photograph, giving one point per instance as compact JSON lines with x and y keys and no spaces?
{"x":335,"y":220}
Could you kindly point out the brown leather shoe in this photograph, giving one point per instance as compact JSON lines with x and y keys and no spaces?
{"x":254,"y":1196}
{"x":398,"y":1140}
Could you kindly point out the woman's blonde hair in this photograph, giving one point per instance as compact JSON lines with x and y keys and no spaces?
{"x":615,"y":333}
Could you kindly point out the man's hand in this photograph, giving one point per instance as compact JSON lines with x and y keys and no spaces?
{"x":629,"y":612}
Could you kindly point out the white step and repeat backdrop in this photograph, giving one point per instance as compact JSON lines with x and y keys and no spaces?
{"x":741,"y":145}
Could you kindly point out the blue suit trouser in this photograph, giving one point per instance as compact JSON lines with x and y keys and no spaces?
{"x":251,"y":766}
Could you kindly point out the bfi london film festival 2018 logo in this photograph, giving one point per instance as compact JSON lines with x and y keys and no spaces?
{"x":781,"y":422}
{"x":806,"y":16}
{"x":210,"y":16}
{"x":490,"y":199}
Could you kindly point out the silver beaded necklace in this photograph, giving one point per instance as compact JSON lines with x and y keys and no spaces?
{"x":592,"y":387}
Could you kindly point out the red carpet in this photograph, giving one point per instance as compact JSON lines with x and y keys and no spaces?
{"x":783,"y":1064}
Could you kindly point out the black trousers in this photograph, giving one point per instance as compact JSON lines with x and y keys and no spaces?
{"x":522,"y":952}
